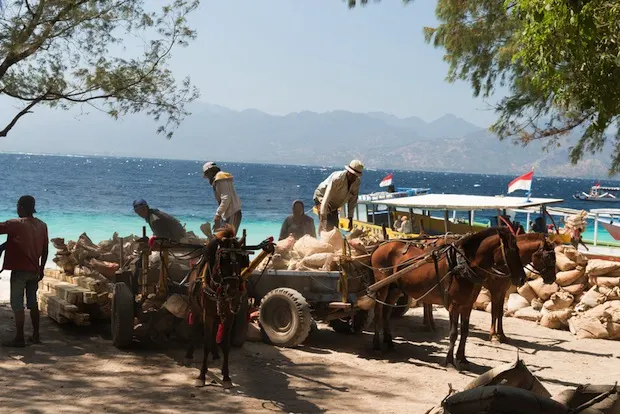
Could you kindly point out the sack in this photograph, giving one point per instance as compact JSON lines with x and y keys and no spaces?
{"x":278,"y":262}
{"x":575,"y":255}
{"x":484,"y":298}
{"x":528,"y":314}
{"x":564,"y":263}
{"x":527,"y":292}
{"x":556,"y":319}
{"x":333,"y":238}
{"x":515,"y":302}
{"x":587,"y":327}
{"x":570,"y":276}
{"x":537,"y":304}
{"x":573,"y":398}
{"x":591,"y":299}
{"x":559,"y":301}
{"x":610,"y":293}
{"x":514,"y":374}
{"x":308,"y":245}
{"x":543,"y":290}
{"x":598,"y":267}
{"x":501,"y":399}
{"x":574,"y":289}
{"x":609,"y":282}
{"x":318,"y":260}
{"x":284,"y":246}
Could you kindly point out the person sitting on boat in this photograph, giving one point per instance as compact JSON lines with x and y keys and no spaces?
{"x":403,"y":225}
{"x":339,"y":188}
{"x":298,"y":224}
{"x":229,"y":204}
{"x":161,"y":224}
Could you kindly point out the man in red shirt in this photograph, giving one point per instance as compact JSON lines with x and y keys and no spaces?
{"x":25,"y":256}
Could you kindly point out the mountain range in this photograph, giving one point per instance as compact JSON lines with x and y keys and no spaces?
{"x":381,"y":140}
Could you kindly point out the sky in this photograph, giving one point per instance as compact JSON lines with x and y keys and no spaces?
{"x":282,"y":56}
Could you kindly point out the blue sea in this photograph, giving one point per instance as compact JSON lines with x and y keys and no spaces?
{"x":78,"y":194}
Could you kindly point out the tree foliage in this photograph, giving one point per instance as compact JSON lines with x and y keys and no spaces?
{"x":559,"y":59}
{"x":62,"y":53}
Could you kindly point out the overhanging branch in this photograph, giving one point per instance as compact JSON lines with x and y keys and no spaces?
{"x":21,"y":113}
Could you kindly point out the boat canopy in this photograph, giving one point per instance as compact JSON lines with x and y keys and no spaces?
{"x":606,"y":211}
{"x":607,"y":188}
{"x":463,"y":202}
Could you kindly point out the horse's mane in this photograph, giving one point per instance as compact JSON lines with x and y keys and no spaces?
{"x":227,"y":231}
{"x":477,"y":238}
{"x":532,"y":236}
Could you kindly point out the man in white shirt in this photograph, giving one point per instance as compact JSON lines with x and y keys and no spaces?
{"x":229,"y":204}
{"x":339,"y":188}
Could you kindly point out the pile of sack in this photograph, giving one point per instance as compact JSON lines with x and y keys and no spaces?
{"x":323,"y":253}
{"x":585,"y":297}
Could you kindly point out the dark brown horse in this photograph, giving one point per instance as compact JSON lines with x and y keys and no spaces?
{"x":534,"y":248}
{"x":216,"y":290}
{"x":452,"y":280}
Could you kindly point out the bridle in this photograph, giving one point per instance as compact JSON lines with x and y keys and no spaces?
{"x":548,"y":258}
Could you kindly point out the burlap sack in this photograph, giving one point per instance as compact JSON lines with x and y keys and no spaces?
{"x":484,"y":298}
{"x":528,"y":314}
{"x":537,"y":304}
{"x":308,"y":245}
{"x":563,"y":263}
{"x":610,"y":293}
{"x":543,"y":290}
{"x":556,"y":319}
{"x":569,"y":277}
{"x":590,"y":299}
{"x":598,"y":267}
{"x":527,"y":292}
{"x":559,"y":301}
{"x":609,"y":282}
{"x":284,"y":246}
{"x":316,"y":260}
{"x":574,"y":289}
{"x":488,"y":308}
{"x":587,"y":327}
{"x":515,"y":302}
{"x":575,"y":256}
{"x":333,"y":238}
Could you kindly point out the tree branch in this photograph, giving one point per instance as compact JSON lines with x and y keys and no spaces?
{"x":21,"y":113}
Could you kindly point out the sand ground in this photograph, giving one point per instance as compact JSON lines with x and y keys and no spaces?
{"x":77,"y":370}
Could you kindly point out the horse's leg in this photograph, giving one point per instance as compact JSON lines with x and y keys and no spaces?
{"x":392,"y":297}
{"x":463,"y":363}
{"x":228,"y":322}
{"x":209,"y":321}
{"x":195,"y":334}
{"x":429,"y":321}
{"x":214,"y":346}
{"x":500,"y":314}
{"x":454,"y":324}
{"x":492,"y":331}
{"x":376,"y":342}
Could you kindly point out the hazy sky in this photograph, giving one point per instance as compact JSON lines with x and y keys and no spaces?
{"x":283,"y":56}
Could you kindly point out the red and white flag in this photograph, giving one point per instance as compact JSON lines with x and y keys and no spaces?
{"x":523,"y":182}
{"x":387,"y":181}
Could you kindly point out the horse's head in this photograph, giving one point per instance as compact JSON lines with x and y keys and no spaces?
{"x":227,"y":259}
{"x":543,"y":261}
{"x":510,"y":255}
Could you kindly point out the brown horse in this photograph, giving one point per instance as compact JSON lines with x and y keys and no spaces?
{"x":534,"y":248}
{"x":452,"y":280}
{"x":215,"y":292}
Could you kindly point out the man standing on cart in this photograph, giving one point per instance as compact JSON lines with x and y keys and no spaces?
{"x":339,"y":188}
{"x":229,"y":204}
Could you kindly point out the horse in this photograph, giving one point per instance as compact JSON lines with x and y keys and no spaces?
{"x":452,"y":279}
{"x":216,"y":291}
{"x":534,"y":248}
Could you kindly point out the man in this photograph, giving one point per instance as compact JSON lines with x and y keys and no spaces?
{"x":339,"y":188}
{"x":162,"y":224}
{"x":229,"y":205}
{"x":25,"y":256}
{"x":403,"y":225}
{"x":298,"y":224}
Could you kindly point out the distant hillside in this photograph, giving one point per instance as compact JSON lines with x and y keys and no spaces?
{"x":331,"y":138}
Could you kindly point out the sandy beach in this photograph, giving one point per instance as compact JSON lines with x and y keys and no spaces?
{"x":78,"y":370}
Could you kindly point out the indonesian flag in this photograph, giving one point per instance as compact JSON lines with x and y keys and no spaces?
{"x":523,"y":182}
{"x":598,"y":184}
{"x":387,"y":181}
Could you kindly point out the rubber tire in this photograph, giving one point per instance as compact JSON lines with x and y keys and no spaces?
{"x":400,"y":312}
{"x":299,"y":318}
{"x":346,"y":326}
{"x":240,"y":326}
{"x":122,"y":315}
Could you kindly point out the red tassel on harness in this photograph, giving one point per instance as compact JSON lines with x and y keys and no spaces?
{"x":190,"y":319}
{"x":220,"y":334}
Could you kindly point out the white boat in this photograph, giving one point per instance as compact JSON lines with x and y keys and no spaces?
{"x":598,"y":193}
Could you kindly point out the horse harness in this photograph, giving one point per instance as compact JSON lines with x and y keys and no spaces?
{"x":215,"y":284}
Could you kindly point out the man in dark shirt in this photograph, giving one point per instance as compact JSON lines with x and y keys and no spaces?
{"x":162,"y":224}
{"x":298,"y":224}
{"x":25,"y":256}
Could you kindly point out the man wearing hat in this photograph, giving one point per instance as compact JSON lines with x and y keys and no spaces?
{"x":229,"y":206}
{"x":25,"y":256}
{"x":161,"y":224}
{"x":339,"y":188}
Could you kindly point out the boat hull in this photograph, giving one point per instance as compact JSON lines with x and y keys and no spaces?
{"x":612,"y":228}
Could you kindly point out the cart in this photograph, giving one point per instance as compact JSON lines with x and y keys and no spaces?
{"x":157,"y":310}
{"x":290,"y":300}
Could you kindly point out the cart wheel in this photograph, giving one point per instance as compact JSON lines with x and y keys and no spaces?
{"x":349,"y":325}
{"x":122,"y":315}
{"x":285,"y":317}
{"x":240,"y":326}
{"x":403,"y":300}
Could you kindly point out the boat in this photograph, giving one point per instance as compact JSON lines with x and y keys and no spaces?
{"x":609,"y":219}
{"x":397,"y":193}
{"x":598,"y":193}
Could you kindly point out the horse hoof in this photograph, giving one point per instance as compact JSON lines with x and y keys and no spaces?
{"x":495,"y":339}
{"x":199,"y":383}
{"x":503,"y":339}
{"x":463,"y":365}
{"x":227,"y":384}
{"x":187,"y":362}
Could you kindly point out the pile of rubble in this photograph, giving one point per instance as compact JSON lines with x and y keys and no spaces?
{"x":585,"y":297}
{"x":320,"y":254}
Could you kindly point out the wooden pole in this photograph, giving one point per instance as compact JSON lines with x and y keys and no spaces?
{"x":445,"y":221}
